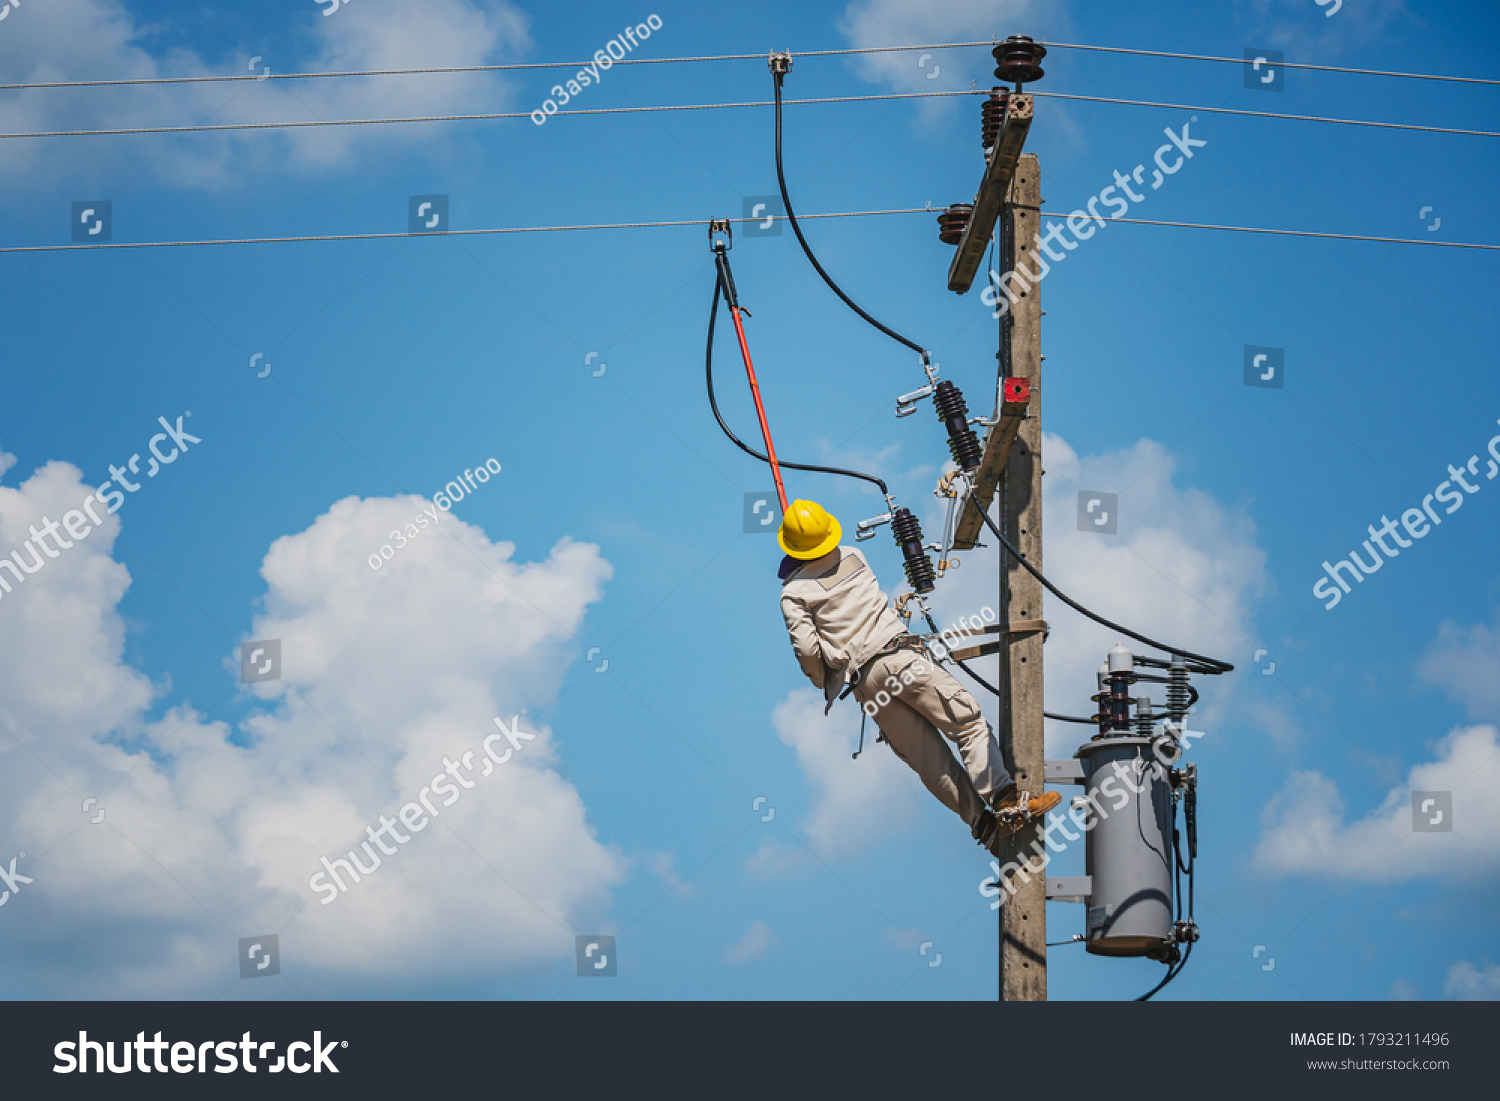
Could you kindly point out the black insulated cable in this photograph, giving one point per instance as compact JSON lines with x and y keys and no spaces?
{"x":786,"y":201}
{"x":1207,"y":665}
{"x":975,"y":676}
{"x":1069,"y":718}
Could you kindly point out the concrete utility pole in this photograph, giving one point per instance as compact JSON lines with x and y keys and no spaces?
{"x":1011,"y":466}
{"x":1023,"y":918}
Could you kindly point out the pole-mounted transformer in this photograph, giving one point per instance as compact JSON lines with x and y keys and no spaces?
{"x":1132,"y":847}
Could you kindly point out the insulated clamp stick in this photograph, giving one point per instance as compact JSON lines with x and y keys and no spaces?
{"x":721,"y":246}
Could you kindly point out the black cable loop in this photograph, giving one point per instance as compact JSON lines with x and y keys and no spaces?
{"x":786,"y":201}
{"x":713,"y":316}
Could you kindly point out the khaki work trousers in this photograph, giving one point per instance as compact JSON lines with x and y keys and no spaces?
{"x":923,"y":705}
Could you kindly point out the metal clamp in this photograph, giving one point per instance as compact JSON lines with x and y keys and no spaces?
{"x":865,"y":529}
{"x":717,"y":226}
{"x":906,"y":404}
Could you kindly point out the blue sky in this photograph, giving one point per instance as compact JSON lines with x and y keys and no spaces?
{"x":616,"y":521}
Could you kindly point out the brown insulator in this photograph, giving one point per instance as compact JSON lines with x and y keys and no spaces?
{"x":992,"y":115}
{"x":953,"y":221}
{"x":1018,"y":60}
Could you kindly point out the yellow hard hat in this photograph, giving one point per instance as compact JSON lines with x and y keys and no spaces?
{"x":808,"y":531}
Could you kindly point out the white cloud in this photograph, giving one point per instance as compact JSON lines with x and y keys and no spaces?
{"x":757,"y":942}
{"x":913,"y":22}
{"x":102,"y":39}
{"x":1467,"y":983}
{"x":1182,"y":569}
{"x":855,"y":802}
{"x":212,"y":834}
{"x":1305,"y":831}
{"x":664,"y":866}
{"x":63,"y":677}
{"x":1463,"y":661}
{"x":1403,"y":991}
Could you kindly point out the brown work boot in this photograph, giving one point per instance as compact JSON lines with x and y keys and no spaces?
{"x":1016,"y":808}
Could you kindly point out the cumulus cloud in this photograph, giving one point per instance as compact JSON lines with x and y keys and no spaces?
{"x":1181,"y":568}
{"x":1467,"y":983}
{"x":103,"y":40}
{"x":1463,"y":660}
{"x":213,"y":832}
{"x":1305,"y":831}
{"x":855,"y":802}
{"x":757,"y":943}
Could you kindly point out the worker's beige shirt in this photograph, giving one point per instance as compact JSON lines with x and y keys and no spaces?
{"x":837,"y":616}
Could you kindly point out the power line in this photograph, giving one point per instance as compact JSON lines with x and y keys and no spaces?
{"x":468,"y":118}
{"x":477,"y":68}
{"x":1284,"y":64}
{"x":220,"y":127}
{"x":1271,"y":114}
{"x":518,"y":66}
{"x":702,"y":222}
{"x":1296,"y":233}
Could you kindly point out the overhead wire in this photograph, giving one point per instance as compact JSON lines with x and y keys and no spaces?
{"x":700,"y":222}
{"x":527,"y":65}
{"x":1269,"y":114}
{"x":509,"y":67}
{"x":220,"y":127}
{"x":223,"y":127}
{"x":1282,"y":64}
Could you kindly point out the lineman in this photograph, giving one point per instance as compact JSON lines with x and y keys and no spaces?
{"x":847,"y":637}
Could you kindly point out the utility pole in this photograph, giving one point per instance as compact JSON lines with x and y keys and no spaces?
{"x":1023,"y":918}
{"x":1011,"y":467}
